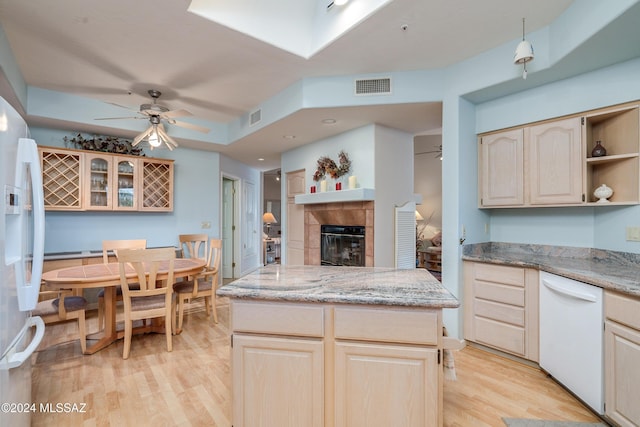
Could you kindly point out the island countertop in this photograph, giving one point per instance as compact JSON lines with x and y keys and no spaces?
{"x":347,"y":285}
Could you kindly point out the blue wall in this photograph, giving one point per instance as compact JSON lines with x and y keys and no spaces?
{"x":196,"y":199}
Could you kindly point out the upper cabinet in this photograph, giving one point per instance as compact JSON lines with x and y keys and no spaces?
{"x":87,"y":180}
{"x":502,"y":169}
{"x":551,"y":163}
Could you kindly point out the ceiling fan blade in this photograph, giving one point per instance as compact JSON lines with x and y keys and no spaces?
{"x":190,"y":126}
{"x":176,"y":113}
{"x":119,"y":105}
{"x":167,"y":139}
{"x":141,"y":136}
{"x":119,"y":118}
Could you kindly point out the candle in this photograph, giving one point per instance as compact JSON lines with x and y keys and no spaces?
{"x":323,"y":186}
{"x":352,"y":182}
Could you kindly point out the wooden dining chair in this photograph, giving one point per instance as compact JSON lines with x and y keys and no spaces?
{"x":148,"y":301}
{"x":201,"y":285}
{"x":193,"y":245}
{"x":114,"y":246}
{"x":63,"y":305}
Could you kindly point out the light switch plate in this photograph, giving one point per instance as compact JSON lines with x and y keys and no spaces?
{"x":205,"y":224}
{"x":633,"y":234}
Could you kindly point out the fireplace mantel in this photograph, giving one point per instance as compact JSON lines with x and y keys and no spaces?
{"x":338,"y":196}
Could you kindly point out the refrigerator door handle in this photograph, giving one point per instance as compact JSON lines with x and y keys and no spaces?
{"x":29,"y":290}
{"x":14,"y":359}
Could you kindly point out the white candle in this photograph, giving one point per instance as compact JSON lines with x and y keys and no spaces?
{"x":323,"y":186}
{"x":352,"y":182}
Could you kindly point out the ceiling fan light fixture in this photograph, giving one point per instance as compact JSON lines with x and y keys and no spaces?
{"x":524,"y":53}
{"x":154,"y":139}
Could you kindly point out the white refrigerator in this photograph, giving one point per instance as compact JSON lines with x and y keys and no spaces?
{"x":21,"y":255}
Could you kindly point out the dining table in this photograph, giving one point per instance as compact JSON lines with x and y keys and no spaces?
{"x":107,"y":276}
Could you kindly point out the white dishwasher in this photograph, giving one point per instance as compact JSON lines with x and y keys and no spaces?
{"x":571,"y":336}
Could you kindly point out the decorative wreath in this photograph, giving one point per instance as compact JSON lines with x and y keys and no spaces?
{"x":327,"y":166}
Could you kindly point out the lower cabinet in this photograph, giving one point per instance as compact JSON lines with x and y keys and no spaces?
{"x":501,"y":308}
{"x":279,"y":380}
{"x":622,"y":359}
{"x":385,"y":385}
{"x":300,"y":364}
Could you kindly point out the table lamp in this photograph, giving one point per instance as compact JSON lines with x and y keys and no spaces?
{"x":269,"y":219}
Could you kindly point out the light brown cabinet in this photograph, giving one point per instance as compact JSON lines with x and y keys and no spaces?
{"x":86,"y":180}
{"x":501,"y":308}
{"x":550,"y":163}
{"x":622,"y":359}
{"x":535,"y":165}
{"x":337,"y":366}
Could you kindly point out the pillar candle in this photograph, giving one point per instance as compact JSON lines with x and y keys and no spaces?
{"x":323,"y":186}
{"x":352,"y":182}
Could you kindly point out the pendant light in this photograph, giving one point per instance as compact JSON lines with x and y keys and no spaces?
{"x":524,"y":53}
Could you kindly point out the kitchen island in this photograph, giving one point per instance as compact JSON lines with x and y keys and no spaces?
{"x":337,"y":346}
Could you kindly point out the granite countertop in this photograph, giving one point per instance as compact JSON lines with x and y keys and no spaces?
{"x":349,"y":285}
{"x":613,"y":270}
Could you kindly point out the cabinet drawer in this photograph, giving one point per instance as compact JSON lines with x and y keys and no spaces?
{"x":506,"y":337}
{"x":622,"y":309}
{"x":500,"y":312}
{"x":500,"y":274}
{"x":278,"y":319}
{"x":389,"y":325}
{"x":499,"y":293}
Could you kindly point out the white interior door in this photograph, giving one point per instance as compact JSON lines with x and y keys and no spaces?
{"x":228,"y":227}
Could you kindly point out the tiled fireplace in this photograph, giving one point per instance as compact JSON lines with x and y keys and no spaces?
{"x":359,"y":213}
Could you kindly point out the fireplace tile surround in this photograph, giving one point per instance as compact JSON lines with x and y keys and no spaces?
{"x":346,"y":213}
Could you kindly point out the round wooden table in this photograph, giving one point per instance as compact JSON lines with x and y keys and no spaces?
{"x":107,"y":276}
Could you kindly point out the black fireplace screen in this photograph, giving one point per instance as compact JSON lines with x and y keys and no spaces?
{"x":342,"y":245}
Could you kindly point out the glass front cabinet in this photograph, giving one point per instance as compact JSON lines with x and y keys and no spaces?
{"x":111,"y":182}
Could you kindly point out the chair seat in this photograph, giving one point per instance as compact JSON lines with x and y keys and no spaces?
{"x":147,"y":303}
{"x":186,"y":287}
{"x":71,"y":303}
{"x":132,"y":286}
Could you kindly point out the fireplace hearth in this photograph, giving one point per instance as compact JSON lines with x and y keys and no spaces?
{"x":344,"y":214}
{"x":342,"y":245}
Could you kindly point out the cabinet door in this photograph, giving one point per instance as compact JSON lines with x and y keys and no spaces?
{"x":622,"y":376}
{"x":61,"y":183}
{"x":126,"y":184}
{"x":98,"y":181}
{"x":156,"y":185}
{"x":277,"y":382}
{"x":554,"y":159}
{"x":386,"y":385}
{"x":502,"y":169}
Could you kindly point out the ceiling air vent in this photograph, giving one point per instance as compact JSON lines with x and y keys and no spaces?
{"x":380,"y":86}
{"x":255,"y":117}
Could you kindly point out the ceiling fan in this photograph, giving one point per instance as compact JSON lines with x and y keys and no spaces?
{"x":156,"y":114}
{"x":437,"y":151}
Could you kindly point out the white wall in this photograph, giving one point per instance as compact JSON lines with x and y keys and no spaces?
{"x":394,"y":187}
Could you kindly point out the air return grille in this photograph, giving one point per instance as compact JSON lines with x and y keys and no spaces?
{"x":255,"y":117}
{"x":380,"y":86}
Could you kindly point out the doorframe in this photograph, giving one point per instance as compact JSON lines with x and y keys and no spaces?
{"x":235,"y":233}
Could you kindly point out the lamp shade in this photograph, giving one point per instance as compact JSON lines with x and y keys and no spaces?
{"x":268,"y":218}
{"x":524,"y":53}
{"x":418,"y":216}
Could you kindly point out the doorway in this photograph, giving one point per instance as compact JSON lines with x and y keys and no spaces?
{"x":229,"y":229}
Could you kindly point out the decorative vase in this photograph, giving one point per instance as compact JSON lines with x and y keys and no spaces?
{"x":603,"y":193}
{"x":598,"y":150}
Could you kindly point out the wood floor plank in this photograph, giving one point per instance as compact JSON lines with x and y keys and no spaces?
{"x":191,"y":386}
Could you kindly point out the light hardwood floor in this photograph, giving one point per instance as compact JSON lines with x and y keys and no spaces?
{"x":191,"y":385}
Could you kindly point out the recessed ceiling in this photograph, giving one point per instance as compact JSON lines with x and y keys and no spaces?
{"x":116,"y":50}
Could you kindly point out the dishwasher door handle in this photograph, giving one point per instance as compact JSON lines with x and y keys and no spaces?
{"x":569,"y":292}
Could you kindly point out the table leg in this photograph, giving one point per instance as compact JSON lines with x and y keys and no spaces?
{"x":110,"y":334}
